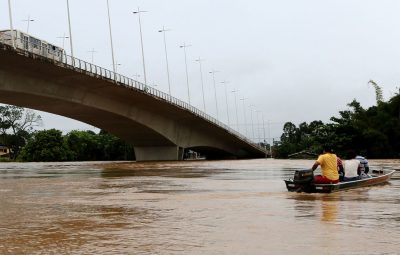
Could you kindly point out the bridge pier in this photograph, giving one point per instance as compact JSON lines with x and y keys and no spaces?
{"x":159,"y":153}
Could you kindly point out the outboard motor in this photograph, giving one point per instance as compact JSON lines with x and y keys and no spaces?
{"x":303,"y":176}
{"x":303,"y":180}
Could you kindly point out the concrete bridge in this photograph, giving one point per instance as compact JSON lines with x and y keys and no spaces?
{"x":160,"y":127}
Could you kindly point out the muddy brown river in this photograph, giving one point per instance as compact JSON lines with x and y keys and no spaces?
{"x":191,"y":207}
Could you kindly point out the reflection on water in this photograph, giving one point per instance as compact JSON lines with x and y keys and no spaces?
{"x":197,"y":207}
{"x":329,"y":211}
{"x":309,"y":205}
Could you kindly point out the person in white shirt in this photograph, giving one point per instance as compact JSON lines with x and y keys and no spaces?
{"x":352,"y":167}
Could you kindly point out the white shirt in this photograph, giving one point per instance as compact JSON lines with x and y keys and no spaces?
{"x":350,"y":167}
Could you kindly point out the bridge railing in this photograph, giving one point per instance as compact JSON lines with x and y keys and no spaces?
{"x":76,"y":63}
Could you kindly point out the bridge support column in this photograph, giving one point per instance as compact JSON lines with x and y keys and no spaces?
{"x":157,"y":153}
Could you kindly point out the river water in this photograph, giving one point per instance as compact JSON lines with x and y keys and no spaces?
{"x":191,"y":207}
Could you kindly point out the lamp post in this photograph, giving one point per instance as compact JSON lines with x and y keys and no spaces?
{"x":111,"y":40}
{"x":244,"y":115}
{"x":163,"y":30}
{"x":215,"y":91}
{"x":138,"y":12}
{"x":199,"y":60}
{"x":269,"y":138}
{"x":28,"y":21}
{"x":70,"y":30}
{"x":258,"y":127}
{"x":263,"y":127}
{"x":226,"y":100}
{"x":184,"y":46}
{"x":252,"y":122}
{"x":237,"y":116}
{"x":116,"y":66}
{"x":11,"y":24}
{"x":63,"y":39}
{"x":273,"y":145}
{"x":92,"y":52}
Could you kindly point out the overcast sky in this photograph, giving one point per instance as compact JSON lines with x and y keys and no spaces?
{"x":295,"y":60}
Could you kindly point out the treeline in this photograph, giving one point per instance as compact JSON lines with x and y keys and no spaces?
{"x":372,"y":132}
{"x":51,"y":145}
{"x":17,"y":132}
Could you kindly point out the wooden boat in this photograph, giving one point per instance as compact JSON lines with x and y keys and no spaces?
{"x":303,"y":182}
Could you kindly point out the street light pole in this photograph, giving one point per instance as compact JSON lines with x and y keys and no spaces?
{"x":70,"y":30}
{"x":184,"y":46}
{"x":237,"y":116}
{"x":215,"y":91}
{"x":136,"y":76}
{"x":111,"y":40}
{"x":269,"y":138}
{"x":202,"y":82}
{"x":226,"y":100}
{"x":92,"y":52}
{"x":138,"y":12}
{"x":28,"y":21}
{"x":63,"y":39}
{"x":244,"y":115}
{"x":263,"y":126}
{"x":11,"y":25}
{"x":163,"y":30}
{"x":264,"y":130}
{"x":252,"y":122}
{"x":116,"y":66}
{"x":258,"y":127}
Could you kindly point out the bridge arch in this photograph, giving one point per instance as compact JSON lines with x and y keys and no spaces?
{"x":157,"y":129}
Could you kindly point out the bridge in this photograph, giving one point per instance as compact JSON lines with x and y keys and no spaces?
{"x":159,"y":126}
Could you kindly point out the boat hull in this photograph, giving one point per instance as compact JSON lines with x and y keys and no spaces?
{"x":378,"y":177}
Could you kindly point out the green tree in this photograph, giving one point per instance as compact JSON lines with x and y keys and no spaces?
{"x":87,"y":145}
{"x":374,"y":132}
{"x":289,"y":141}
{"x":378,"y":92}
{"x":289,"y":133}
{"x":84,"y":145}
{"x":16,"y":126}
{"x":115,"y":148}
{"x":46,"y":145}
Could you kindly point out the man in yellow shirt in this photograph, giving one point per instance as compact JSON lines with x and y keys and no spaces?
{"x":329,"y":168}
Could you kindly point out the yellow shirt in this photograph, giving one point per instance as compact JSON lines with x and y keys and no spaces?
{"x":328,"y":162}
